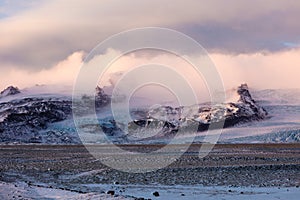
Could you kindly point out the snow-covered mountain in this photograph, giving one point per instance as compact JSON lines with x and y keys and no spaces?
{"x":9,"y":91}
{"x":43,"y":114}
{"x":29,"y":117}
{"x":201,"y":116}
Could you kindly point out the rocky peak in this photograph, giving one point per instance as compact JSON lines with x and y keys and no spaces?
{"x":9,"y":91}
{"x":232,"y":113}
{"x":243,"y":92}
{"x":99,"y":91}
{"x":101,"y":98}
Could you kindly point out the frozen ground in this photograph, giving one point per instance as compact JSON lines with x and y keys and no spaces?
{"x":204,"y":192}
{"x":24,"y":191}
{"x":230,"y":171}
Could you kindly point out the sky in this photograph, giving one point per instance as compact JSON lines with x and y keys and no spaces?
{"x":252,"y":41}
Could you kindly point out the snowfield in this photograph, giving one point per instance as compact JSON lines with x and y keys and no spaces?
{"x":20,"y":120}
{"x":24,"y":191}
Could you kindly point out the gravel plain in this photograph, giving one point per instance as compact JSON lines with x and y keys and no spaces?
{"x":73,"y":168}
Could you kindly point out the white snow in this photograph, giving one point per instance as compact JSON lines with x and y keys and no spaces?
{"x":42,"y":91}
{"x":2,"y":117}
{"x":283,"y":107}
{"x":23,"y":191}
{"x":278,"y":96}
{"x":180,"y":192}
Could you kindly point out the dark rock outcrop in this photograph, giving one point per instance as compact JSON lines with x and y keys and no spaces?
{"x":201,"y":117}
{"x":9,"y":91}
{"x":21,"y":121}
{"x":101,"y":99}
{"x":29,"y":120}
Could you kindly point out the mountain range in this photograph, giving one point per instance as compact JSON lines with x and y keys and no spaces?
{"x":47,"y":118}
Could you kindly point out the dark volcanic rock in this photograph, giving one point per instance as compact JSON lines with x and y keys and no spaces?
{"x":201,"y":117}
{"x":164,"y":121}
{"x":156,"y":194}
{"x":9,"y":91}
{"x":22,"y":120}
{"x":28,"y":120}
{"x":101,"y":99}
{"x":111,"y":192}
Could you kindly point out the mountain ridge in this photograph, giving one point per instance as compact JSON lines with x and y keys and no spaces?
{"x":33,"y":119}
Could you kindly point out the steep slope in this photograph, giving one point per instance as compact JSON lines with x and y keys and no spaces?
{"x":170,"y":119}
{"x":48,"y":118}
{"x":9,"y":91}
{"x":30,"y":119}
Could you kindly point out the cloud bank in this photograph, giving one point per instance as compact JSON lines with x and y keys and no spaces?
{"x":260,"y":71}
{"x":40,"y":37}
{"x":64,"y":73}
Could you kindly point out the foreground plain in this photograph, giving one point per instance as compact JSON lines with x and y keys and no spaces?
{"x":72,"y":168}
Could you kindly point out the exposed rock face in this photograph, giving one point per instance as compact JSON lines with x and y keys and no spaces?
{"x":22,"y":120}
{"x":101,"y":98}
{"x":200,"y":117}
{"x":28,"y":120}
{"x":9,"y":91}
{"x":246,"y":109}
{"x":31,"y":120}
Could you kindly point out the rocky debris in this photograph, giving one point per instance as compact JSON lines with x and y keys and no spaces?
{"x":250,"y":165}
{"x":111,"y":192}
{"x":156,"y":194}
{"x":9,"y":91}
